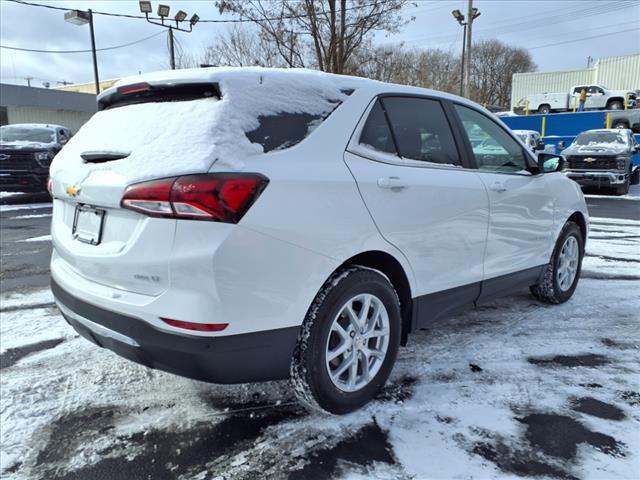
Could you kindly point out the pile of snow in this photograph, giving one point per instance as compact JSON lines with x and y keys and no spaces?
{"x":172,"y":138}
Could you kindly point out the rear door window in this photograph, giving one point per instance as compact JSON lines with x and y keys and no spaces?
{"x":376,"y":133}
{"x":421,"y":130}
{"x":283,"y":130}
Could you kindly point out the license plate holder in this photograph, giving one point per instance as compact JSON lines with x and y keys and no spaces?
{"x":88,"y":224}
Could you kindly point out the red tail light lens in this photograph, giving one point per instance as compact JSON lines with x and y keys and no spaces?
{"x":134,"y":88}
{"x":220,"y":197}
{"x":50,"y":186}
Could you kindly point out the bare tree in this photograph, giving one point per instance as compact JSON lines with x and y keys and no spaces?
{"x":320,"y":33}
{"x":492,"y":67}
{"x":240,"y":47}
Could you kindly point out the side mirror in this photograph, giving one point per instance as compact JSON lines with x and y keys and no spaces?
{"x":548,"y":163}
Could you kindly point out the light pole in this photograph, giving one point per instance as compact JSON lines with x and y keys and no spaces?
{"x":457,"y":14}
{"x":163,"y":12}
{"x":472,"y":14}
{"x":78,"y":17}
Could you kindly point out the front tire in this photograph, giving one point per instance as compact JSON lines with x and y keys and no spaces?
{"x":624,"y":188}
{"x":560,"y":276}
{"x":544,"y":109}
{"x":348,"y":342}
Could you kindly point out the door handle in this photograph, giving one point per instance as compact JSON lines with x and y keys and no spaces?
{"x":393,"y":183}
{"x":498,"y":187}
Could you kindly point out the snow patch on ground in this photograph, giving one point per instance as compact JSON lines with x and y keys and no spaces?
{"x":463,"y":400}
{"x":39,"y":215}
{"x":33,"y":206}
{"x":42,"y":238}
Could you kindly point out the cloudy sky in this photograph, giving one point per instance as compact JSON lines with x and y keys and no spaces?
{"x":559,"y":34}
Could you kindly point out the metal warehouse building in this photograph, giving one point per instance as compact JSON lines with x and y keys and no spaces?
{"x":20,"y":104}
{"x":611,"y":72}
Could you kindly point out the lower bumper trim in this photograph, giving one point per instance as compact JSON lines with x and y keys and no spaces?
{"x":249,"y":357}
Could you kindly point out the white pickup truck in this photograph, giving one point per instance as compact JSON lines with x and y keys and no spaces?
{"x":598,"y":98}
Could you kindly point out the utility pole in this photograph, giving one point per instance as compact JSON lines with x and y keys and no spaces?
{"x":172,"y":49}
{"x":472,"y":14}
{"x":464,"y":41}
{"x":28,"y":79}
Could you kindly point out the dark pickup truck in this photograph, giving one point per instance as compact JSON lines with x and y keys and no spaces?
{"x":26,"y":151}
{"x":604,"y":158}
{"x":626,"y":119}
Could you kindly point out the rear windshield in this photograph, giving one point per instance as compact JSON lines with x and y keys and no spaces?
{"x":10,"y":133}
{"x":600,"y":138}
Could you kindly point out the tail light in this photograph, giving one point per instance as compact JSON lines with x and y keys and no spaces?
{"x":218,"y":197}
{"x":50,"y":186}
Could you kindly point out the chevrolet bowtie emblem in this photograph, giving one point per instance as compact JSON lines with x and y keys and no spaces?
{"x":589,"y":159}
{"x":72,"y":191}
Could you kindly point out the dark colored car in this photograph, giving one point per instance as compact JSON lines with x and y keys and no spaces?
{"x":603,"y":158}
{"x":626,"y":119}
{"x":26,"y":151}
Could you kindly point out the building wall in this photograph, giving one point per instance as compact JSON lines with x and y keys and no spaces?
{"x":612,"y":72}
{"x":619,"y":72}
{"x":524,"y":84}
{"x":67,"y":118}
{"x":21,"y":104}
{"x":89,"y":87}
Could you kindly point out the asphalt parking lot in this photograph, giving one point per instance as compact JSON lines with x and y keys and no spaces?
{"x":512,"y":389}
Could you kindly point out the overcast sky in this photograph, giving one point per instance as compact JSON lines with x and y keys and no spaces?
{"x":555,"y":31}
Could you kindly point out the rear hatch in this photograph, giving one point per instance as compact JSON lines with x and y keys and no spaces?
{"x":167,"y":127}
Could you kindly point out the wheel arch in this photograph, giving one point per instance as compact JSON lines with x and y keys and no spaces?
{"x":388,"y":265}
{"x":615,"y":99}
{"x":578,"y":218}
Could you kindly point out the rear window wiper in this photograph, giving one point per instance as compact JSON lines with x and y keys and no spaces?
{"x":147,"y":93}
{"x":103,"y":156}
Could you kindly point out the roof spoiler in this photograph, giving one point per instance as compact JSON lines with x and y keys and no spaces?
{"x":146,"y":93}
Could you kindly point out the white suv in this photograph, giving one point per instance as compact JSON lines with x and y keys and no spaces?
{"x":240,"y":225}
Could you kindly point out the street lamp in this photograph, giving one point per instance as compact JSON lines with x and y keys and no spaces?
{"x":163,"y":13}
{"x":79,"y":17}
{"x":457,"y":14}
{"x":472,"y":14}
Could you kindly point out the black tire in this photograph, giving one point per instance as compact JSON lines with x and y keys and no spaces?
{"x":310,"y":377}
{"x":615,"y":105}
{"x":548,"y":288}
{"x":624,"y":188}
{"x":635,"y":176}
{"x":621,"y":124}
{"x":544,"y":109}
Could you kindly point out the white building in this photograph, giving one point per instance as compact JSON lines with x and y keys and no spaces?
{"x":611,"y":72}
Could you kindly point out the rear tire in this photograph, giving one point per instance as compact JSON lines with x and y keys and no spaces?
{"x":560,"y":276}
{"x":622,"y":125}
{"x":324,"y":383}
{"x":615,"y":105}
{"x":544,"y":109}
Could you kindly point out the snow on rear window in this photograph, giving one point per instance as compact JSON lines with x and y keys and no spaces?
{"x":172,"y":138}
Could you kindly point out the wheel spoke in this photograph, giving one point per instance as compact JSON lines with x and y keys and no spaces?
{"x":376,"y":333}
{"x":365,"y":368}
{"x":364,"y":311}
{"x":353,"y":370}
{"x":372,"y":352}
{"x":353,"y":318}
{"x":346,"y":363}
{"x":339,"y":329}
{"x":332,"y":354}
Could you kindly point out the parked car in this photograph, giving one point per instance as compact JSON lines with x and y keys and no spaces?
{"x":603,"y":158}
{"x":626,"y":119}
{"x":26,"y":151}
{"x":240,"y":225}
{"x":598,"y":98}
{"x":531,"y":139}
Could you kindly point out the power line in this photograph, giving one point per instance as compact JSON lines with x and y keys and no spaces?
{"x":229,"y":20}
{"x":83,"y":51}
{"x":584,"y":38}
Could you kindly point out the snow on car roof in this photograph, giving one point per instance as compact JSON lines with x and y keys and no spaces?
{"x":174,"y":138}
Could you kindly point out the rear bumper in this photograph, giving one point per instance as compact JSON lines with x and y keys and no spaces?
{"x":598,"y":179}
{"x":248,"y":357}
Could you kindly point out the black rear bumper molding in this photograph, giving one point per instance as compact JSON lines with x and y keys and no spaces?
{"x":250,"y":357}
